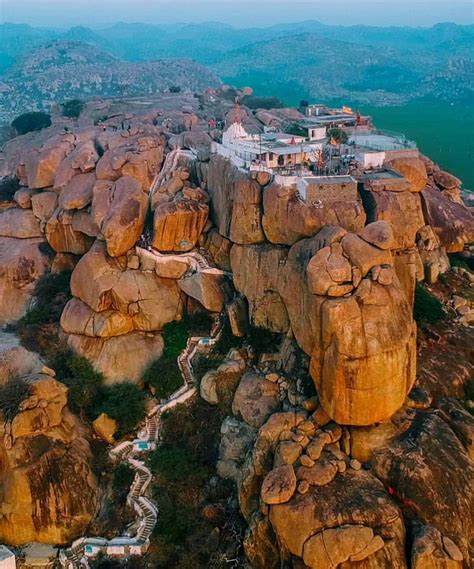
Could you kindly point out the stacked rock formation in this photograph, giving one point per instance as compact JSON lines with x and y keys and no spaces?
{"x":49,"y":492}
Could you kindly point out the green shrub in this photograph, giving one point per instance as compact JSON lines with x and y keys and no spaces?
{"x":124,"y":402}
{"x":262,"y":341}
{"x":29,"y":122}
{"x":174,"y":522}
{"x":50,"y":296}
{"x":122,"y":478}
{"x":73,"y":108}
{"x":12,"y":394}
{"x":175,"y":89}
{"x":163,"y":374}
{"x":338,"y":135}
{"x":8,"y":187}
{"x":427,"y":308}
{"x":253,"y":102}
{"x":174,"y":464}
{"x":226,"y":340}
{"x":83,"y":381}
{"x":175,"y":337}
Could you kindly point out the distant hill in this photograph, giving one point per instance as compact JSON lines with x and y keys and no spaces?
{"x":60,"y":70}
{"x":362,"y":64}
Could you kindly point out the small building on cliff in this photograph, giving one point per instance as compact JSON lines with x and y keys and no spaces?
{"x":275,"y":152}
{"x":327,"y":189}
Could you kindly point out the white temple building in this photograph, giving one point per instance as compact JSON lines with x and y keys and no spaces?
{"x":279,"y":151}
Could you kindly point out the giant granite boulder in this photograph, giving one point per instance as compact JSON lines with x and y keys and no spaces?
{"x":49,"y":492}
{"x":349,"y":313}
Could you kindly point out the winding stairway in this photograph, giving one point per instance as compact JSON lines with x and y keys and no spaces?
{"x":136,"y":539}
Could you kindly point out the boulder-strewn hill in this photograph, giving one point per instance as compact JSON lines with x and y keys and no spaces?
{"x":364,"y":64}
{"x":62,"y":70}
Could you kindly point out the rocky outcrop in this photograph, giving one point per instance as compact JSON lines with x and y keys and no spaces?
{"x":452,"y":222}
{"x":123,"y":223}
{"x":138,"y":158}
{"x":256,"y":271}
{"x":236,"y":202}
{"x":49,"y":493}
{"x":413,"y":169}
{"x":118,"y":311}
{"x":178,"y":225}
{"x":287,"y":218}
{"x":416,"y":466}
{"x":22,"y":263}
{"x":349,"y":313}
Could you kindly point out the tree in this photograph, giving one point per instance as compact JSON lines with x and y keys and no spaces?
{"x":338,"y":135}
{"x":73,"y":108}
{"x":253,"y":102}
{"x":29,"y":122}
{"x":175,"y":89}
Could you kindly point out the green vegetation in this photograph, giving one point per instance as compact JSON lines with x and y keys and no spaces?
{"x":181,"y":467}
{"x":124,"y":402}
{"x":254,"y":102}
{"x":51,"y":294}
{"x":89,"y":397}
{"x":427,"y":308}
{"x":12,"y":394}
{"x":441,"y":130}
{"x":29,"y":122}
{"x":175,"y":89}
{"x":8,"y":187}
{"x":122,"y":478}
{"x":73,"y":108}
{"x":163,"y":375}
{"x":338,"y":135}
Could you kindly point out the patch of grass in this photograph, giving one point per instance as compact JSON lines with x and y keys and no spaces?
{"x":12,"y":394}
{"x":427,"y":308}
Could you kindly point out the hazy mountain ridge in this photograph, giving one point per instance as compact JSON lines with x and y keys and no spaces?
{"x":62,"y":70}
{"x":360,"y":64}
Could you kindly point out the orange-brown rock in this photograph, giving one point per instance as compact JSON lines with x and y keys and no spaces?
{"x":44,"y":205}
{"x":19,"y":223}
{"x":368,"y":336}
{"x":256,"y":271}
{"x":81,"y":160}
{"x":78,"y":318}
{"x":453,"y":223}
{"x":138,"y":159}
{"x":208,"y":286}
{"x":105,"y":427}
{"x":41,"y":165}
{"x":402,"y":210}
{"x":413,"y":169}
{"x":120,"y":358}
{"x":77,"y":194}
{"x":63,"y":238}
{"x":446,"y":181}
{"x":338,"y":522}
{"x":22,"y":262}
{"x":95,"y":276}
{"x":236,"y":202}
{"x":50,"y":493}
{"x":178,"y":225}
{"x":123,"y":224}
{"x":287,"y":218}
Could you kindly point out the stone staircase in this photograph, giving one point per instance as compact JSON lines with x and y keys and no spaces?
{"x":77,"y":556}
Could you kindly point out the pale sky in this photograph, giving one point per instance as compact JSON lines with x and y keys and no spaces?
{"x":240,"y":13}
